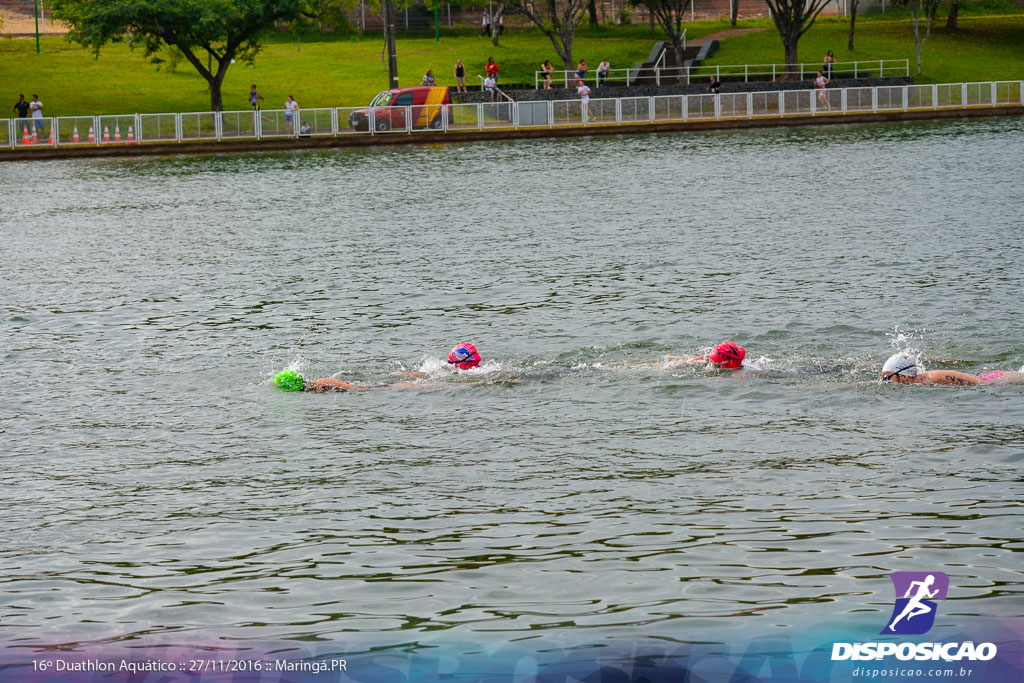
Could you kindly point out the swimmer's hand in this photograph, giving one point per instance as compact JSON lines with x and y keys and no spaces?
{"x":415,"y":374}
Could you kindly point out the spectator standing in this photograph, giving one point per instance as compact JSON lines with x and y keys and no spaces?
{"x":602,"y":71}
{"x":583,"y":90}
{"x":487,"y":24}
{"x":826,"y":66}
{"x":21,"y":107}
{"x":492,"y":68}
{"x":501,"y":24}
{"x":460,"y":76}
{"x":582,"y":69}
{"x":290,"y":107}
{"x":37,"y":117}
{"x":254,"y":98}
{"x":547,"y":69}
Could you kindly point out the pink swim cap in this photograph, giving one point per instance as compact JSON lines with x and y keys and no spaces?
{"x":464,"y":356}
{"x":728,"y":355}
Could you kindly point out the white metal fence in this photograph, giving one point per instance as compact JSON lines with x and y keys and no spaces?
{"x":664,"y":75}
{"x":71,"y":131}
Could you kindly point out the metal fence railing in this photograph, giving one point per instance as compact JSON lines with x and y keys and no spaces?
{"x":666,"y":75}
{"x":113,"y":129}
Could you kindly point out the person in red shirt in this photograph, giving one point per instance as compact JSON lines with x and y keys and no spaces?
{"x":492,"y":68}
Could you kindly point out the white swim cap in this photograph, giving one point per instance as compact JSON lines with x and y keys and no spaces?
{"x":902,"y":365}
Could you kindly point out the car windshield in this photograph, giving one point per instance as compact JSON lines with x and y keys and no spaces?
{"x":382,"y":99}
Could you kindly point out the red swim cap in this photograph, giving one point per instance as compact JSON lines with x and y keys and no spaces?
{"x":464,"y":356}
{"x":728,"y":355}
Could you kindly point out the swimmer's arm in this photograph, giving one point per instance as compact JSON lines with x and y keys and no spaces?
{"x":951,"y":377}
{"x":688,"y":359}
{"x":323,"y":384}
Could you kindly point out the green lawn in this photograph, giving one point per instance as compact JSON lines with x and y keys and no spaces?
{"x":318,"y":73}
{"x":334,"y":72}
{"x":985,"y":48}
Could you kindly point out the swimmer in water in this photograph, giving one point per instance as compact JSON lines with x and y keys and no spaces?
{"x":727,"y":355}
{"x":463,"y":356}
{"x":904,"y":368}
{"x":289,"y":380}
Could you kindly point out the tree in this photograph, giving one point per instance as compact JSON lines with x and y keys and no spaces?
{"x":557,"y":20}
{"x":734,"y":11}
{"x":917,"y":8}
{"x":793,"y":18}
{"x":592,"y":11}
{"x":495,"y":25}
{"x":670,"y":15}
{"x":954,"y":13}
{"x":853,"y":21}
{"x":210,"y":34}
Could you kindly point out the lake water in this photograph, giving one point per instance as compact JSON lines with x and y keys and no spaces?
{"x":158,"y":491}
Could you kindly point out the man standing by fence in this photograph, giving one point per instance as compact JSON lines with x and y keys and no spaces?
{"x":583,"y":90}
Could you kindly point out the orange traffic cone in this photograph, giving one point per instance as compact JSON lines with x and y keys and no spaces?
{"x":25,"y":139}
{"x":106,"y":133}
{"x":53,"y":137}
{"x":131,"y":136}
{"x":74,"y":135}
{"x":117,"y":132}
{"x":92,"y":135}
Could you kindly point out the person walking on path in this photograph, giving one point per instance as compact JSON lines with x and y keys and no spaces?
{"x":460,"y":76}
{"x":290,"y":107}
{"x":487,"y":24}
{"x":715,"y":87}
{"x":820,"y":82}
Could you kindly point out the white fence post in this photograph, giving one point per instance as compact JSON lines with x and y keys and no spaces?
{"x":480,"y":115}
{"x":650,"y":109}
{"x":218,"y":124}
{"x":843,"y":99}
{"x":874,"y":99}
{"x":177,"y":129}
{"x":618,"y":110}
{"x":994,"y":96}
{"x":963,"y":95}
{"x":782,"y":102}
{"x":750,"y":105}
{"x":371,"y":121}
{"x":551,"y":113}
{"x":334,"y":122}
{"x":935,"y":96}
{"x":905,"y":97}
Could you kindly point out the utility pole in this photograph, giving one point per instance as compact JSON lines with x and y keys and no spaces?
{"x":389,"y":37}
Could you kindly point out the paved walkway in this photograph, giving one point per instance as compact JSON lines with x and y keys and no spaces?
{"x":728,"y":33}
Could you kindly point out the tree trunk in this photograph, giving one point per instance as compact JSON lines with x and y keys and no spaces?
{"x":954,"y":10}
{"x":592,"y":10}
{"x":650,"y":20}
{"x":735,"y":10}
{"x":495,"y":31}
{"x":792,"y":61}
{"x":853,"y":20}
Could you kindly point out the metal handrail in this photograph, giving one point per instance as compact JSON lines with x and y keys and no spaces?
{"x":891,"y":67}
{"x":209,"y":126}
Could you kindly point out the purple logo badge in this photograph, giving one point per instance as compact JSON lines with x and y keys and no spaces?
{"x":915,"y":610}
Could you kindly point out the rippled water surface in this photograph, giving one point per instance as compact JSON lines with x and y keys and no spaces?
{"x":157,"y":489}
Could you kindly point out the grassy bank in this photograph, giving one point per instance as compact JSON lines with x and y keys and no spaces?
{"x":985,"y":48}
{"x":318,"y":73}
{"x":325,"y":72}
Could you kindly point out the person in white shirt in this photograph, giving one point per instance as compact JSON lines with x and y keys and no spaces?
{"x":487,"y":24}
{"x":37,"y":115}
{"x":602,"y":71}
{"x":491,"y":86}
{"x":290,"y":107}
{"x":583,"y":90}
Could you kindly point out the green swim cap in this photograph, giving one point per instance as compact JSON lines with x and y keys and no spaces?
{"x":288,"y":380}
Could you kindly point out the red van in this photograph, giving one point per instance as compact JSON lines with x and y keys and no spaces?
{"x":428,"y":106}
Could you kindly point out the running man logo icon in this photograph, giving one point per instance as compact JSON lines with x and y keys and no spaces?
{"x":915,"y":610}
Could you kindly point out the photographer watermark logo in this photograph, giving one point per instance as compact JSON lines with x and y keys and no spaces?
{"x":914,"y":612}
